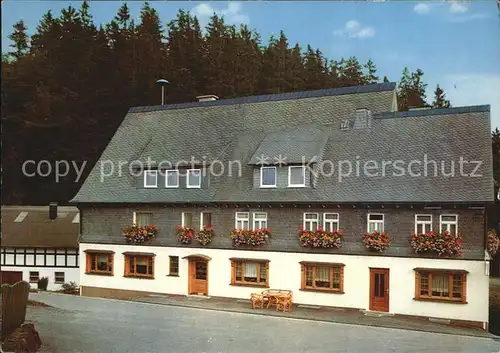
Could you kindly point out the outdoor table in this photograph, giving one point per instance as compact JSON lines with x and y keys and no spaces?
{"x":274,"y":294}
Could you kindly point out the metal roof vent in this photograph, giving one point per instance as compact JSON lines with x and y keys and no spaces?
{"x":345,"y":125}
{"x":363,"y":119}
{"x":207,"y":98}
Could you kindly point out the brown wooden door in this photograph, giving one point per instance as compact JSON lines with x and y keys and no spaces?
{"x":379,"y":289}
{"x":198,"y":276}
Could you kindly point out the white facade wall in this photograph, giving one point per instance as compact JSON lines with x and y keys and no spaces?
{"x":285,"y":273}
{"x":70,"y":274}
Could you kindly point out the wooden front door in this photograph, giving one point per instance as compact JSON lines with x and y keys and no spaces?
{"x":198,"y":277}
{"x":379,"y":289}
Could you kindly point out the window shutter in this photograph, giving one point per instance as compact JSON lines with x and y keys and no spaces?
{"x":267,"y":274}
{"x":302,"y":276}
{"x":88,"y":263}
{"x":127,"y":265}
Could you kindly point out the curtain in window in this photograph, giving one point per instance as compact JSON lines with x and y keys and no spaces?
{"x":322,"y":277}
{"x":251,"y":272}
{"x":440,"y":285}
{"x":268,"y":176}
{"x":142,"y":219}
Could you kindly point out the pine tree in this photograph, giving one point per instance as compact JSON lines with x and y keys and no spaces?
{"x":370,"y":74}
{"x":411,"y":90}
{"x":385,"y":80}
{"x":351,"y":72}
{"x":440,"y":100}
{"x":20,"y":39}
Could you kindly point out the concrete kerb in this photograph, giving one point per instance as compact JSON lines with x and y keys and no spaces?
{"x":273,"y":315}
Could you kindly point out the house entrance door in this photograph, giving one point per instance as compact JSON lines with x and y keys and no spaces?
{"x":198,"y":276}
{"x":379,"y":289}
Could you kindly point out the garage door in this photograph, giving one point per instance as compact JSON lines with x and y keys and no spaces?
{"x":11,"y":277}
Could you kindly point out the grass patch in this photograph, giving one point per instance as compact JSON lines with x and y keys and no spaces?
{"x":495,"y":306}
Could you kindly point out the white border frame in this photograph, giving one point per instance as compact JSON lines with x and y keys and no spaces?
{"x":448,"y":215}
{"x":261,"y":219}
{"x":275,"y":177}
{"x":421,"y":214}
{"x":146,"y":172}
{"x":375,"y":214}
{"x":188,"y":186}
{"x":166,"y":179}
{"x":290,"y":185}
{"x":329,"y":221}
{"x":236,"y":218}
{"x":304,"y":220}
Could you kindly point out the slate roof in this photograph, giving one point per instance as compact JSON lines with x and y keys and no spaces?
{"x":37,"y":230}
{"x":296,"y":124}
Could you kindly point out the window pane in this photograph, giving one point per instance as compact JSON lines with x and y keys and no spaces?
{"x":376,"y":217}
{"x":206,"y":219}
{"x":141,"y":265}
{"x":142,"y":219}
{"x":424,"y":284}
{"x":453,"y":229}
{"x":336,"y":278}
{"x":457,"y":286}
{"x":172,"y":178}
{"x":322,"y":279}
{"x":262,"y":273}
{"x":239,"y":271}
{"x":297,"y":176}
{"x":174,"y":265}
{"x":151,"y":177}
{"x":440,"y":285}
{"x":448,"y":218}
{"x":309,"y":276}
{"x":102,"y":262}
{"x":194,"y":178}
{"x":250,"y":272}
{"x":268,"y":176}
{"x":420,"y":229}
{"x":424,"y":218}
{"x":187,"y":219}
{"x":311,"y":216}
{"x":331,"y":216}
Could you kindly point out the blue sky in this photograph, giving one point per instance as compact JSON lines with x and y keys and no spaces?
{"x":456,"y":44}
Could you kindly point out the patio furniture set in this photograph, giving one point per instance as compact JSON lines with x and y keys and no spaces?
{"x":279,"y":298}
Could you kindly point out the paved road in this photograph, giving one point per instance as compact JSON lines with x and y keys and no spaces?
{"x":79,"y":324}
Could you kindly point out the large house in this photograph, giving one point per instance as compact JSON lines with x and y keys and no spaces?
{"x":40,"y":241}
{"x":322,"y":161}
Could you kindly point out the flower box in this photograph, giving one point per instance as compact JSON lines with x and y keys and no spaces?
{"x":137,"y":235}
{"x":376,"y":241}
{"x":444,"y":243}
{"x":320,"y":238}
{"x":204,"y":236}
{"x":493,"y":244}
{"x":184,"y":235}
{"x":250,"y":237}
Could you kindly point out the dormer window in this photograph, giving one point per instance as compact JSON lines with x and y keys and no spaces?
{"x":193,"y":179}
{"x":268,"y":177}
{"x":296,"y":176}
{"x":150,"y":178}
{"x":172,"y":179}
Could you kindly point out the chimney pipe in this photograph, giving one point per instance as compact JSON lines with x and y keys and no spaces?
{"x":53,"y":210}
{"x":207,"y":98}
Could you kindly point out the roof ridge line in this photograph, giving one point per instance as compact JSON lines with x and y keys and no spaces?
{"x":377,"y":87}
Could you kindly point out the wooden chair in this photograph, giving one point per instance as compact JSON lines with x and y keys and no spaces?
{"x":257,"y":300}
{"x":284,"y":303}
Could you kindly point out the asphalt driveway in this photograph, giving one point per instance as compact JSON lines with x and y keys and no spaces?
{"x":80,"y":324}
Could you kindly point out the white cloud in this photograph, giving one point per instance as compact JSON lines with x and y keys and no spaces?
{"x":474,"y":89}
{"x":232,"y":14}
{"x":457,"y":7}
{"x":422,"y":8}
{"x":354,"y":29}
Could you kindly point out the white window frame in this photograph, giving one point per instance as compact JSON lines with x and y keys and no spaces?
{"x":201,"y":220}
{"x":423,"y":223}
{"x":260,"y":220}
{"x":448,"y":223}
{"x":183,"y":218}
{"x":187,"y":179}
{"x":331,"y":220}
{"x":310,"y":220}
{"x":245,"y":217}
{"x":275,"y":177}
{"x":166,"y":178}
{"x":149,"y":172}
{"x":290,"y":176}
{"x":368,"y":221}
